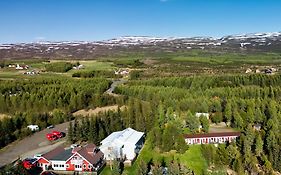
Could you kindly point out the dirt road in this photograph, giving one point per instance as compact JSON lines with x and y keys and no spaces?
{"x":37,"y":143}
{"x":90,"y":112}
{"x":115,"y":84}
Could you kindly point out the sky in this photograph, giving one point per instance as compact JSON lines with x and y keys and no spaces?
{"x":90,"y":20}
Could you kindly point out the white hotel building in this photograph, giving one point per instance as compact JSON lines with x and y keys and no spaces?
{"x":211,"y":138}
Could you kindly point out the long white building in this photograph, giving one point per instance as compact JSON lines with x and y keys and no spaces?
{"x":211,"y":138}
{"x":124,"y":145}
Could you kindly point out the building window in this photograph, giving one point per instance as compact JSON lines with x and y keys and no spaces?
{"x":84,"y":166}
{"x":89,"y":166}
{"x":77,"y":166}
{"x":67,"y":166}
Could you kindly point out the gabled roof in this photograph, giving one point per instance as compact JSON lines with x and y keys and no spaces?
{"x":222,"y":134}
{"x":63,"y":156}
{"x":90,"y":153}
{"x":128,"y":135}
{"x":53,"y":153}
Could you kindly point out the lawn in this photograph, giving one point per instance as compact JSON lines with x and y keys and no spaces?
{"x":192,"y":158}
{"x":106,"y":171}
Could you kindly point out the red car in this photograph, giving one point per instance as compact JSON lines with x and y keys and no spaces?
{"x":51,"y":136}
{"x":29,"y":163}
{"x":58,"y":134}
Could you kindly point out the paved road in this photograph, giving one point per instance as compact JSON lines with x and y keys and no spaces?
{"x":36,"y":143}
{"x":115,"y":84}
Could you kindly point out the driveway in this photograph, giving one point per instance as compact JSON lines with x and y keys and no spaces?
{"x":36,"y":143}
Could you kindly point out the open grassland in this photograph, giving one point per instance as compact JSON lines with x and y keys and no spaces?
{"x":162,"y":63}
{"x":8,"y":73}
{"x":92,"y":65}
{"x":269,"y":58}
{"x":97,"y":65}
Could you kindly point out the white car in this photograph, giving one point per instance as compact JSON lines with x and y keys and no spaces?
{"x":50,"y":127}
{"x":74,"y":145}
{"x":37,"y":156}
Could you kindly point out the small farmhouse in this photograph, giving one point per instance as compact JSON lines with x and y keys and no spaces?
{"x":122,"y":72}
{"x":88,"y":158}
{"x":123,"y":145}
{"x":18,"y":67}
{"x":211,"y":138}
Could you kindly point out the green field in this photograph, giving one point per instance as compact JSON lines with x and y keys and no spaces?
{"x":193,"y":159}
{"x":269,"y":58}
{"x":11,"y":73}
{"x":97,"y":65}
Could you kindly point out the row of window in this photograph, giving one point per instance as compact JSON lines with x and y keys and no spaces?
{"x":67,"y":166}
{"x":59,"y":165}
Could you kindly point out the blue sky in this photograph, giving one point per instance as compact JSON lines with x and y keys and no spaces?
{"x":57,"y":20}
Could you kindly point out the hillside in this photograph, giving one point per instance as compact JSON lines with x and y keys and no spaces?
{"x":257,"y":42}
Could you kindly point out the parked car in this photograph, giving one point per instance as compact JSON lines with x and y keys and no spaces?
{"x":74,"y":145}
{"x":29,"y":163}
{"x":58,"y":134}
{"x":51,"y":137}
{"x":37,"y":156}
{"x":50,"y":127}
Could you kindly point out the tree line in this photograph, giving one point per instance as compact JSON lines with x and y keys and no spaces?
{"x":47,"y":94}
{"x":46,"y":102}
{"x":242,"y":102}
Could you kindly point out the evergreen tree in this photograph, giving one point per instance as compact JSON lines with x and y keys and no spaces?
{"x":70,"y":135}
{"x":205,"y":123}
{"x":192,"y":122}
{"x":228,"y":112}
{"x":258,"y":145}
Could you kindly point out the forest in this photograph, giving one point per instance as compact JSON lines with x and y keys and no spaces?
{"x":30,"y":102}
{"x":240,"y":101}
{"x":163,"y":107}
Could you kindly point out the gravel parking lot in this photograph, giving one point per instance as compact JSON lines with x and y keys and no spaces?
{"x":37,"y":143}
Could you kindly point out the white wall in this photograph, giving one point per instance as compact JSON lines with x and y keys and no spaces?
{"x":129,"y":151}
{"x":59,"y":163}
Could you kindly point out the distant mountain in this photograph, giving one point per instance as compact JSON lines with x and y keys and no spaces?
{"x":89,"y":50}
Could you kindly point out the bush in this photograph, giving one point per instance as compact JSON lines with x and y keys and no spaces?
{"x":59,"y":67}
